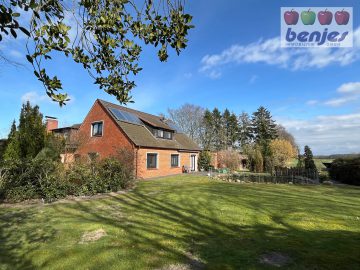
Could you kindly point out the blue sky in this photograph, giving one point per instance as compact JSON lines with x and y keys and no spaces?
{"x":233,"y":61}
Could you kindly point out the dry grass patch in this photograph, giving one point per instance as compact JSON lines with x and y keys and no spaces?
{"x":92,"y":236}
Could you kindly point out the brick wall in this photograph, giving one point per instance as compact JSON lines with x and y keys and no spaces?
{"x":111,"y":140}
{"x":51,"y":123}
{"x":164,"y":162}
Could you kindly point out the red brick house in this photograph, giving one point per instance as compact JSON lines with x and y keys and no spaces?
{"x":160,"y":148}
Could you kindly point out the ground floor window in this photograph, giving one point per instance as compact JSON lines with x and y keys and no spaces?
{"x":151,"y":160}
{"x":175,"y":160}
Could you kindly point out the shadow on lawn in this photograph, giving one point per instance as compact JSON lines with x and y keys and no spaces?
{"x":193,"y":232}
{"x":19,"y":236}
{"x":190,"y":228}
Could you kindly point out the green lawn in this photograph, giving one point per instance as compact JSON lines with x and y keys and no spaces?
{"x":182,"y":219}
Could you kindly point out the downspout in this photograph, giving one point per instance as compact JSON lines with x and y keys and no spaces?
{"x":136,"y":161}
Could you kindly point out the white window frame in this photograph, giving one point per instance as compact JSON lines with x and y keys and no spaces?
{"x":92,"y":126}
{"x":178,"y":166}
{"x":157,"y":160}
{"x":160,"y":131}
{"x":169,"y":134}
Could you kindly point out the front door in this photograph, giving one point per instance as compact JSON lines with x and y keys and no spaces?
{"x":193,"y":162}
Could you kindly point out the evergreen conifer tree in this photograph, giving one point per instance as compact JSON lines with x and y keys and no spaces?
{"x":218,"y":126}
{"x":207,"y":135}
{"x":264,"y":130}
{"x":32,"y":131}
{"x":308,"y":159}
{"x":12,"y":148}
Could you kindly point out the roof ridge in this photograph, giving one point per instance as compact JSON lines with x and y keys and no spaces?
{"x":101,"y":100}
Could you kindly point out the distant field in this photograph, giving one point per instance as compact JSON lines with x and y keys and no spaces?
{"x":188,"y":222}
{"x":318,"y":162}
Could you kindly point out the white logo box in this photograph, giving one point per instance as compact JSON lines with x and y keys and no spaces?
{"x":319,"y":35}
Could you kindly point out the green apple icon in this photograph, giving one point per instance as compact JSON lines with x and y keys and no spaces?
{"x":308,"y":17}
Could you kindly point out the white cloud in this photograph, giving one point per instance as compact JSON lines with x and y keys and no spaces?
{"x":350,"y":88}
{"x":349,"y":92}
{"x":336,"y":102}
{"x":327,"y":134}
{"x":312,"y":102}
{"x":34,"y":97}
{"x":213,"y":74}
{"x":270,"y":52}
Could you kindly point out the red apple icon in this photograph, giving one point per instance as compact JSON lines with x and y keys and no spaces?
{"x":291,"y":17}
{"x":325,"y":17}
{"x":342,"y":17}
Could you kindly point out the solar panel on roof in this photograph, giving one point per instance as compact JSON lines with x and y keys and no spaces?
{"x":125,"y":116}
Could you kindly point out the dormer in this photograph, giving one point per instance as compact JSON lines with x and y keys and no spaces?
{"x":163,"y":134}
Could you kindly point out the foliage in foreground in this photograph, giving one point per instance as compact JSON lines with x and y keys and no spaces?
{"x":346,"y":171}
{"x":105,"y":37}
{"x":50,"y":180}
{"x":31,"y":167}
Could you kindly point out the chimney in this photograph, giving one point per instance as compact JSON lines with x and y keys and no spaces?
{"x":51,"y":123}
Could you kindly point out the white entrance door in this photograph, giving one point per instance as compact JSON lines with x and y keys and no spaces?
{"x":193,"y":162}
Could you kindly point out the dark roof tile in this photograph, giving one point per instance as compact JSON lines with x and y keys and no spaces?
{"x":141,"y":136}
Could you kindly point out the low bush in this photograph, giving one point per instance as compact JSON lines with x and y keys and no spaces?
{"x":115,"y":174}
{"x":346,"y":171}
{"x":20,"y":193}
{"x":229,"y":159}
{"x":50,"y":180}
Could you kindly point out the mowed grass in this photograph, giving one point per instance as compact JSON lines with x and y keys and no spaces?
{"x":187,"y":218}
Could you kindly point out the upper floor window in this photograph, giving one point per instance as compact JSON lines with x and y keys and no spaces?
{"x":160,"y":133}
{"x":167,"y":135}
{"x":97,"y":129}
{"x":163,"y":134}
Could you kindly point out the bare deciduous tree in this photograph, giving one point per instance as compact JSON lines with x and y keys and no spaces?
{"x":283,"y":134}
{"x":189,"y":118}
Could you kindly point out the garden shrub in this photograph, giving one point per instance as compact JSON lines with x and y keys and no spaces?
{"x":29,"y":179}
{"x":257,"y":162}
{"x":113,"y":173}
{"x":77,"y":175}
{"x":323,"y":177}
{"x":229,"y":159}
{"x":53,"y":187}
{"x":204,"y":161}
{"x":21,"y":193}
{"x":45,"y":177}
{"x":346,"y":171}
